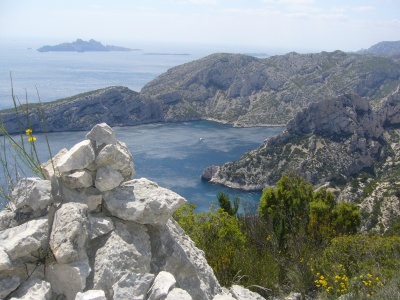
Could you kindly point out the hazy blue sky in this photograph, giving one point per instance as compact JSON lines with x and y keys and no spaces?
{"x":297,"y":25}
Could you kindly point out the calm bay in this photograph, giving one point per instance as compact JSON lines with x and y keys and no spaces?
{"x":174,"y":154}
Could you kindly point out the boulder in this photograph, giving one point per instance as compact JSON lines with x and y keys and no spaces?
{"x":5,"y":262}
{"x":115,"y":156}
{"x":34,"y":193}
{"x":126,"y":249}
{"x":8,"y":284}
{"x":93,"y":199}
{"x":34,"y":288}
{"x":174,"y":252}
{"x":90,"y":196}
{"x":223,"y":297}
{"x":7,"y":219}
{"x":49,"y":167}
{"x":133,"y":286}
{"x":91,"y":295}
{"x":241,"y":293}
{"x":178,"y":294}
{"x":68,"y":279}
{"x":99,"y":225}
{"x":102,"y":134}
{"x":142,"y":201}
{"x":24,"y":242}
{"x":78,"y":157}
{"x":78,"y":179}
{"x":162,"y":285}
{"x":70,"y":233}
{"x":107,"y":179}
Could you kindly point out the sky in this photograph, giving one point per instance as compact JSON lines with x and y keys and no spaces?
{"x":293,"y":25}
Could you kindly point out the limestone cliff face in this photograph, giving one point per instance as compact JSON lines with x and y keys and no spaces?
{"x":117,"y":106}
{"x":90,"y":231}
{"x":245,"y":91}
{"x":339,"y":142}
{"x":329,"y":140}
{"x":238,"y":89}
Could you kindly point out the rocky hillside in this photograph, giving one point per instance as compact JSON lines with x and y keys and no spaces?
{"x":238,"y":89}
{"x":334,"y":142}
{"x":244,"y":90}
{"x":383,"y":48}
{"x":117,"y":106}
{"x":90,"y":231}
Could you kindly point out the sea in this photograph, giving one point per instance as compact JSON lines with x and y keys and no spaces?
{"x":173,"y":154}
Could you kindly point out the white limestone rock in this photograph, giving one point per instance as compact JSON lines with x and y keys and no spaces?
{"x":78,"y":157}
{"x":70,"y":233}
{"x":92,"y":295}
{"x":23,"y":242}
{"x":162,"y":285}
{"x":78,"y":179}
{"x":33,"y":192}
{"x":142,"y":201}
{"x":90,"y":196}
{"x":126,"y":249}
{"x":93,"y":199}
{"x":174,"y":252}
{"x":7,"y":219}
{"x":68,"y":279}
{"x":5,"y":262}
{"x":116,"y":156}
{"x":133,"y":286}
{"x":178,"y":294}
{"x":223,"y":297}
{"x":107,"y":179}
{"x":8,"y":284}
{"x":241,"y":293}
{"x":49,"y":168}
{"x":102,"y":134}
{"x":99,"y":225}
{"x":34,"y":288}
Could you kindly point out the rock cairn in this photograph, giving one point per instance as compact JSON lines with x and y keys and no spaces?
{"x":90,"y":231}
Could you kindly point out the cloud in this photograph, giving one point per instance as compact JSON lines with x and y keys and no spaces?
{"x":295,"y":2}
{"x":200,"y":2}
{"x":364,"y":8}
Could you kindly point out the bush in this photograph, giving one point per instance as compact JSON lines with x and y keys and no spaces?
{"x":358,"y":264}
{"x":218,"y":234}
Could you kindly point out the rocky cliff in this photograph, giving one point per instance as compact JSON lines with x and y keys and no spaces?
{"x":117,"y":106}
{"x":244,"y":90}
{"x":233,"y":88}
{"x":90,"y":231}
{"x":334,"y":142}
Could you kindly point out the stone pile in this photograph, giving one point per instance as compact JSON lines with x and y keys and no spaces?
{"x":90,"y":231}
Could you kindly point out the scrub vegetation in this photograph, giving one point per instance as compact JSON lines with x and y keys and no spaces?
{"x":300,"y":240}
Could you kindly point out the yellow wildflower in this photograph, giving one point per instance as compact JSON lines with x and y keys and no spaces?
{"x":28,"y":131}
{"x":31,"y":139}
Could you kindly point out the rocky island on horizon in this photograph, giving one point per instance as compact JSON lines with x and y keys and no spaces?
{"x":83,"y":46}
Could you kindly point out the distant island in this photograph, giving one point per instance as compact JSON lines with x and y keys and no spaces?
{"x":83,"y":46}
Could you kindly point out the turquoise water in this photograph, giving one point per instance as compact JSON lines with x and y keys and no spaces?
{"x":175,"y":154}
